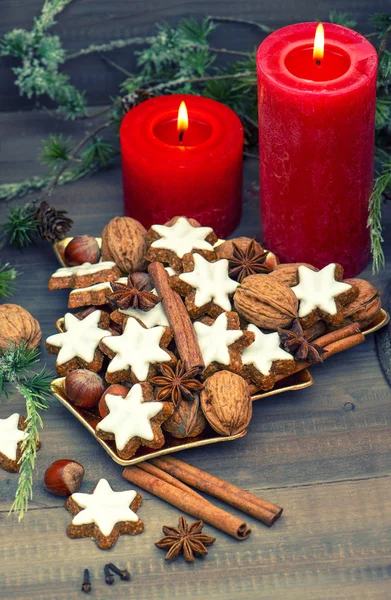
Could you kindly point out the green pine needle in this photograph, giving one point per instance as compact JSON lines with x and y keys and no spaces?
{"x":56,"y":150}
{"x":382,"y":184}
{"x":7,"y":280}
{"x":21,"y":225}
{"x":342,"y":18}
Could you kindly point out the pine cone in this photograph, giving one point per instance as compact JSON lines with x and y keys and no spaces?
{"x":53,"y":225}
{"x":135,"y":98}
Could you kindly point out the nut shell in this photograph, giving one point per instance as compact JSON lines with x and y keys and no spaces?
{"x":266,"y":302}
{"x":64,"y":477}
{"x":287,"y":273}
{"x":365,"y":308}
{"x":18,"y":326}
{"x":83,"y":388}
{"x":187,"y":419}
{"x":83,"y":248}
{"x":226,"y":403}
{"x":124,"y":241}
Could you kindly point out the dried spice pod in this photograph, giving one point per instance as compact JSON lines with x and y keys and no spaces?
{"x":287,"y":273}
{"x":365,"y":308}
{"x":124,"y":241}
{"x":226,"y":249}
{"x":226,"y":403}
{"x":266,"y":302}
{"x":187,"y":419}
{"x":82,"y":249}
{"x":18,"y":326}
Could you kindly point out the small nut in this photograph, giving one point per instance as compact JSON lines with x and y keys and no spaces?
{"x":141,"y":279}
{"x":226,"y":403}
{"x":124,"y":241}
{"x":118,"y":390}
{"x":84,"y":388}
{"x":265,"y":302}
{"x":187,"y":419}
{"x":83,"y":248}
{"x":64,"y":477}
{"x":287,"y":273}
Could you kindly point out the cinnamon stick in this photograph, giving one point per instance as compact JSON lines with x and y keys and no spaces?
{"x":345,"y":344}
{"x":154,"y":470}
{"x":338,"y":334}
{"x":316,"y":330}
{"x":178,"y":317}
{"x":185,"y":501}
{"x":254,"y":506}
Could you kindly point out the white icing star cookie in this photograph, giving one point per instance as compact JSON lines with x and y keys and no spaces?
{"x":214,"y":340}
{"x":80,"y":339}
{"x":318,"y":289}
{"x":182,"y":237}
{"x":264,"y":350}
{"x":84,"y":269}
{"x":151,"y":318}
{"x":136,"y":349}
{"x":211,"y":282}
{"x":84,"y":275}
{"x":104,"y":514}
{"x":10,"y":436}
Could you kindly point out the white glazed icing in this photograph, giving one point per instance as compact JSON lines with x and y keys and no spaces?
{"x":129,"y":417}
{"x":104,"y":507}
{"x":211,"y":281}
{"x":92,"y":288}
{"x":264,"y":350}
{"x":10,"y":436}
{"x":136,"y":348}
{"x":214,"y":340}
{"x":317,"y":289}
{"x":182,"y":237}
{"x":81,"y":338}
{"x":155,"y":316}
{"x":84,"y":269}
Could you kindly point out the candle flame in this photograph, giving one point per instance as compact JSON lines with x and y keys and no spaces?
{"x":183,"y":119}
{"x":319,"y":43}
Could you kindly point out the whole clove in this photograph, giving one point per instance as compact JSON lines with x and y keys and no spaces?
{"x":109,"y":578}
{"x":123,"y":573}
{"x":86,"y":585}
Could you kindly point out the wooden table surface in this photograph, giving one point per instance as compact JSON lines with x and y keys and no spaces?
{"x":326,"y":465}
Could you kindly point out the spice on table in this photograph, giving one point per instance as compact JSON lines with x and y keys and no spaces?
{"x":86,"y":585}
{"x":109,"y":578}
{"x":247,"y":261}
{"x":294,"y":342}
{"x":123,"y":573}
{"x":132,"y":294}
{"x":185,"y":539}
{"x":178,"y":384}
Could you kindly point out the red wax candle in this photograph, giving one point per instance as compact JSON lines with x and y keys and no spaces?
{"x":316,"y":136}
{"x":195,"y":172}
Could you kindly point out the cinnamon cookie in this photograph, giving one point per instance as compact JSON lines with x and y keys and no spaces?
{"x":93,"y":295}
{"x":11,"y":439}
{"x":104,"y":515}
{"x":134,"y":420}
{"x":84,"y":275}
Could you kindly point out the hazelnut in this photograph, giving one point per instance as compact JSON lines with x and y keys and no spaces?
{"x":142,"y":279}
{"x":83,"y":248}
{"x":117,"y":390}
{"x":64,"y":477}
{"x":84,"y":388}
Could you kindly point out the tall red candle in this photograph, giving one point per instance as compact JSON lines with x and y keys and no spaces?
{"x":195,"y":172}
{"x":316,"y":136}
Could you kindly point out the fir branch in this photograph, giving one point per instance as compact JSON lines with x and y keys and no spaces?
{"x":113,"y":45}
{"x":261,"y":26}
{"x":342,"y":18}
{"x":55,"y":150}
{"x":7,"y":280}
{"x":382,"y":185}
{"x":21,"y":225}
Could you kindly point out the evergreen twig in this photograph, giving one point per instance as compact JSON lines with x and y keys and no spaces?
{"x":7,"y":280}
{"x":261,"y":26}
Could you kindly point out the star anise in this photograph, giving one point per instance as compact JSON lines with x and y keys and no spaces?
{"x":248,"y":261}
{"x":186,"y":540}
{"x":132,"y":294}
{"x":293,"y":341}
{"x":177,"y":384}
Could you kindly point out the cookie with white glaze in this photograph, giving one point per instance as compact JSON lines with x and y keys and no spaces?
{"x":264,"y":358}
{"x":170,"y":242}
{"x":221,"y":341}
{"x":104,"y":515}
{"x":322,"y":295}
{"x":137,"y":352}
{"x":206,"y":286}
{"x":92,"y":295}
{"x":77,"y":347}
{"x":134,"y":420}
{"x":84,"y":275}
{"x":11,"y":440}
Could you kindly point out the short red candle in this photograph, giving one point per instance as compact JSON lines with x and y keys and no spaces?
{"x":316,"y":137}
{"x":200,"y":177}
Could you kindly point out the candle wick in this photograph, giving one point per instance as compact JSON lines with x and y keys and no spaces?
{"x":182,"y":131}
{"x":318,"y":62}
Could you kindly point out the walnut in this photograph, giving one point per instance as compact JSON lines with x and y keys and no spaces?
{"x":266,"y":302}
{"x":226,"y":403}
{"x":187,"y":419}
{"x":287,"y":273}
{"x":365,"y":308}
{"x":124,"y":242}
{"x":17,"y":326}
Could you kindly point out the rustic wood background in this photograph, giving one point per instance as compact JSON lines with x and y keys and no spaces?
{"x":328,"y":466}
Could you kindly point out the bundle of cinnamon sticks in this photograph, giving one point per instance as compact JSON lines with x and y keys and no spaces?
{"x":170,"y":478}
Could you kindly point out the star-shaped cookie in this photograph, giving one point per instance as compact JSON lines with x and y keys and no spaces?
{"x":135,"y":353}
{"x":11,"y":437}
{"x":84,"y":275}
{"x":104,"y":515}
{"x":221,"y":342}
{"x":322,"y":294}
{"x":264,"y":358}
{"x":170,"y":242}
{"x":78,"y":346}
{"x":206,"y":286}
{"x":151,"y":318}
{"x":134,"y":420}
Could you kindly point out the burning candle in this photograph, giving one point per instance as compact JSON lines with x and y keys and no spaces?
{"x":316,"y":137}
{"x":182,"y":155}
